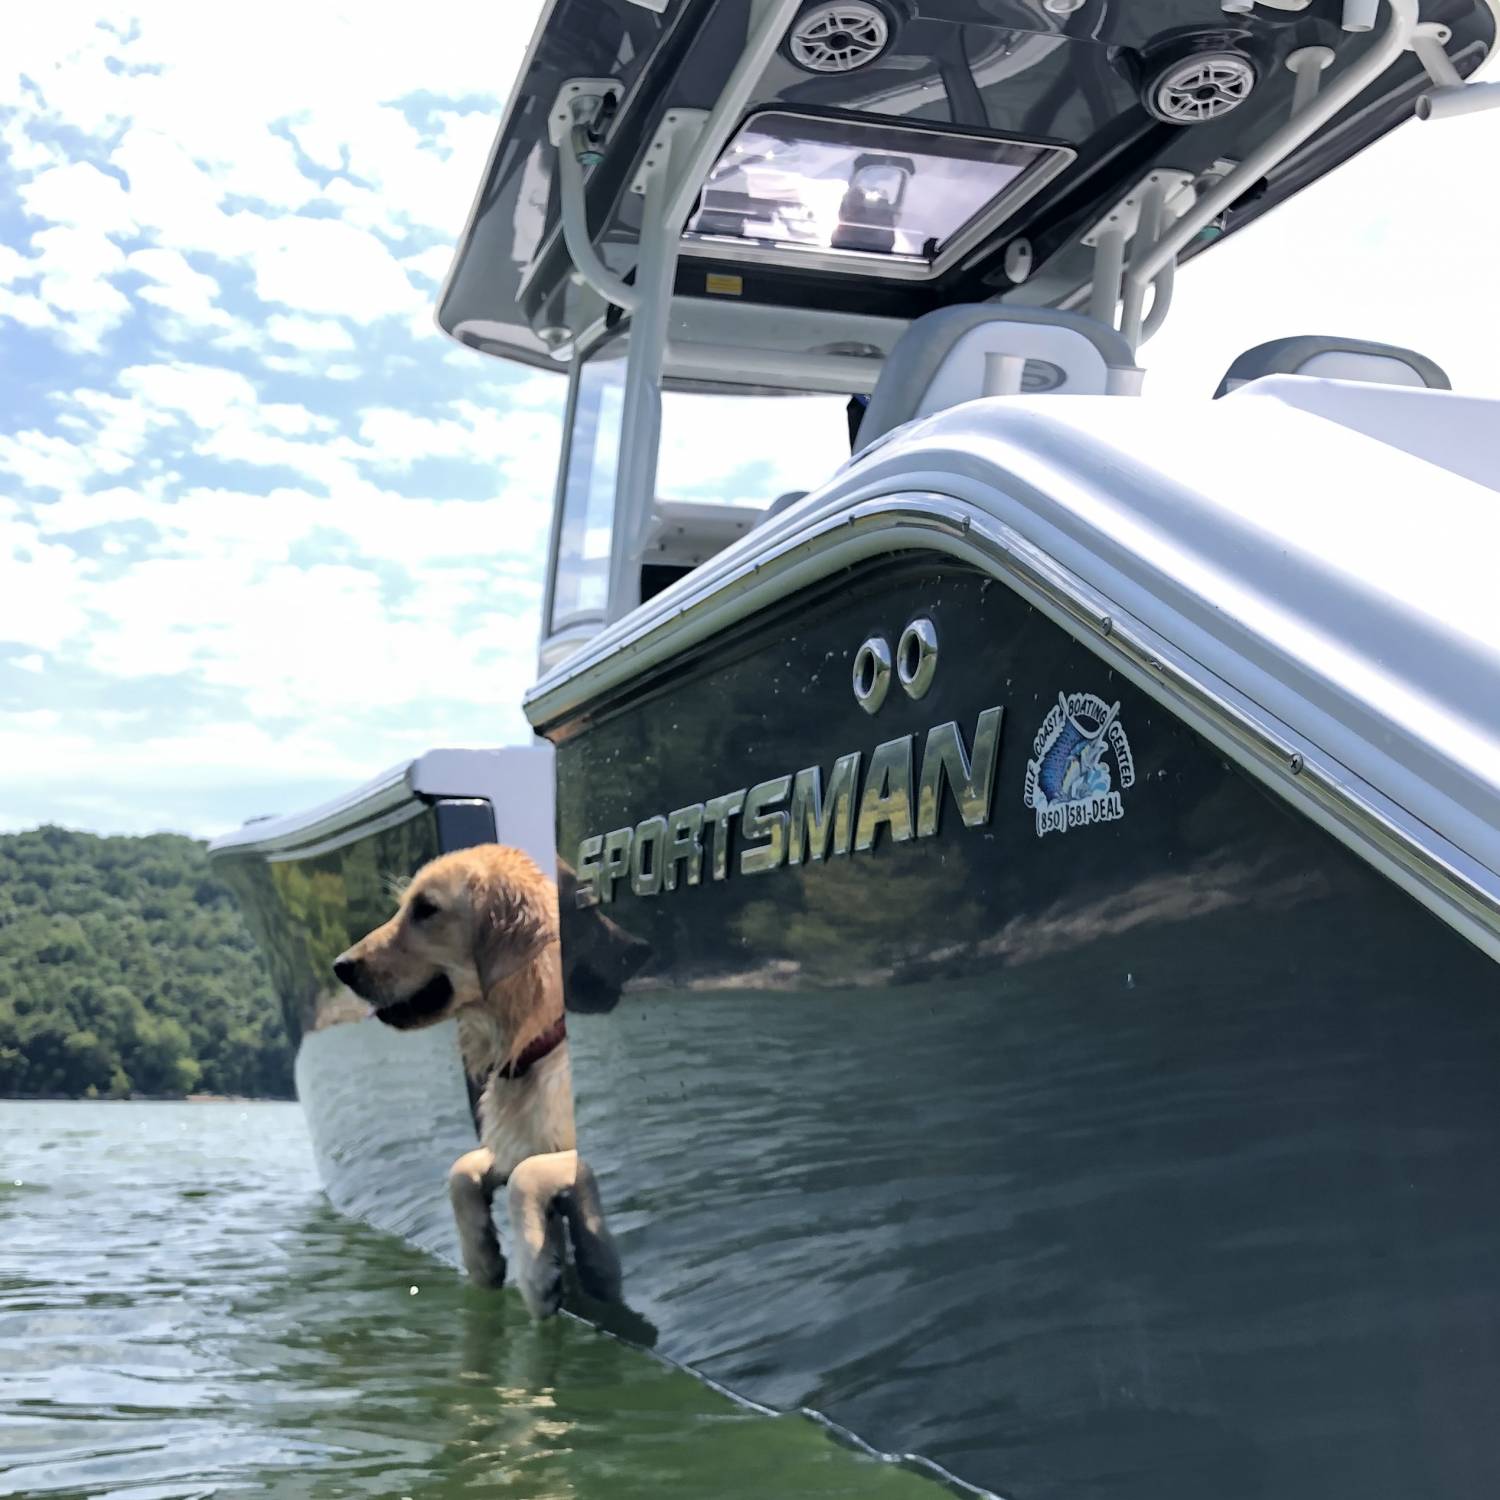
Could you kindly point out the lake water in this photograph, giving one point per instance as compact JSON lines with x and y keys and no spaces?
{"x":182,"y":1315}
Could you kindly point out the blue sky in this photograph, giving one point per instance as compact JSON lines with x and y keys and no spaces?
{"x":263,"y":531}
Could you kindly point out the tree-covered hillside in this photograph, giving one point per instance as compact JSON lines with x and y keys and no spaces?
{"x":125,"y":968}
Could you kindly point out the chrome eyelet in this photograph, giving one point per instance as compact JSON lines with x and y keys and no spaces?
{"x":872,"y":674}
{"x":917,"y":657}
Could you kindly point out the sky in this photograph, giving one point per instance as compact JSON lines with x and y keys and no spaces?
{"x":263,"y":530}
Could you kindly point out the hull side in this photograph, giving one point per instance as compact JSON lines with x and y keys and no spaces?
{"x":1146,"y":1148}
{"x":387,"y":1112}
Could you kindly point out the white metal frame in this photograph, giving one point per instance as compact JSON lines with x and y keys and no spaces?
{"x":1157,"y":235}
{"x":674,"y":166}
{"x":405,"y":791}
{"x":1280,"y":144}
{"x":1136,"y":247}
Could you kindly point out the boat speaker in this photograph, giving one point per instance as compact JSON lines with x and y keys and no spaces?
{"x":839,"y":36}
{"x":1204,"y":85}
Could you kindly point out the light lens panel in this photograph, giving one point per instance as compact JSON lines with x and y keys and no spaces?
{"x":799,"y":183}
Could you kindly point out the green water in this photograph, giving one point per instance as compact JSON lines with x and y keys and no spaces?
{"x":181,"y":1315}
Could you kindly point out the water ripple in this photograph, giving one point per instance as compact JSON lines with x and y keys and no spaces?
{"x":183,"y":1316}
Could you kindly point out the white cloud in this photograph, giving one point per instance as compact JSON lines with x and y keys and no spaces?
{"x":313,"y":334}
{"x":13,"y":266}
{"x":23,"y":151}
{"x":185,"y":301}
{"x":41,"y":604}
{"x":197,"y":140}
{"x":212,"y":160}
{"x":25,"y":308}
{"x":177,"y":285}
{"x":705,"y":456}
{"x":115,"y":429}
{"x":195,"y":779}
{"x":72,"y":268}
{"x":432,"y":264}
{"x":207,"y":395}
{"x":291,"y":420}
{"x":311,"y":365}
{"x":195,"y":182}
{"x":171,"y":196}
{"x":328,"y":267}
{"x":41,"y":460}
{"x":320,"y":142}
{"x":81,"y":195}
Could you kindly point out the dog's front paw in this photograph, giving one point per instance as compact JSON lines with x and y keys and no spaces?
{"x":485,"y":1264}
{"x":538,"y":1236}
{"x":541,"y":1285}
{"x":594,"y":1254}
{"x":478,"y":1244}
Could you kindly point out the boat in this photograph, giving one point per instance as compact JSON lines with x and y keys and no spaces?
{"x":1059,"y":842}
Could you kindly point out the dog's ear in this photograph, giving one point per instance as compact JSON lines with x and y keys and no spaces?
{"x":513,"y":921}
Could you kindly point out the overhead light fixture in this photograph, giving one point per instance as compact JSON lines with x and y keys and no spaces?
{"x":792,"y":186}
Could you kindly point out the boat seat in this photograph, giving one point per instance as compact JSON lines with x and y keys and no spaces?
{"x":784,"y":502}
{"x":1334,"y":359}
{"x":961,"y":353}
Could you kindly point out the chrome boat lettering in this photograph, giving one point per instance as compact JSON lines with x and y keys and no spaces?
{"x":646,"y":856}
{"x":887,"y":799}
{"x":684,"y":845}
{"x":791,"y":820}
{"x":814,"y":820}
{"x":758,"y":821}
{"x":971,"y":780}
{"x":718,"y":811}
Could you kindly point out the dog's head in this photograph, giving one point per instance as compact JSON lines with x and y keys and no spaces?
{"x":467,"y":921}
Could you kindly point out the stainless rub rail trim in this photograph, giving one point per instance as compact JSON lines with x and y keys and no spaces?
{"x":1463,"y":893}
{"x":324,"y":826}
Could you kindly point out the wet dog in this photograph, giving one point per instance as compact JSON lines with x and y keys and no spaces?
{"x":476,"y":938}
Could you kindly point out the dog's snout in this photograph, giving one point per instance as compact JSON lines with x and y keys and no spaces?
{"x":349,"y":971}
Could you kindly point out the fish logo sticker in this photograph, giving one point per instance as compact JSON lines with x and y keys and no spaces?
{"x":1069,"y":784}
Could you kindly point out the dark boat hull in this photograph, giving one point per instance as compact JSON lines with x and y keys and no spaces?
{"x":1147,"y":1151}
{"x":388,"y":1113}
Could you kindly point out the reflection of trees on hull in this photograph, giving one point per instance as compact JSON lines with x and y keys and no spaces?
{"x":839,"y":936}
{"x":305,"y":912}
{"x":827,"y":936}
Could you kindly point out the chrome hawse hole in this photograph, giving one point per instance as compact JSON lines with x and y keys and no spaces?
{"x":917,"y":657}
{"x":915,"y":665}
{"x":872,"y":674}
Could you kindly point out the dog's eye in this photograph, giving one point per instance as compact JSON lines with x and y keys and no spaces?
{"x":422,"y":909}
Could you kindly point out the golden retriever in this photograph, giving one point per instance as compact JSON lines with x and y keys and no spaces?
{"x":476,"y":938}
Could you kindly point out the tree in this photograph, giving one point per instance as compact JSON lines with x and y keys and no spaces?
{"x":125,"y":967}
